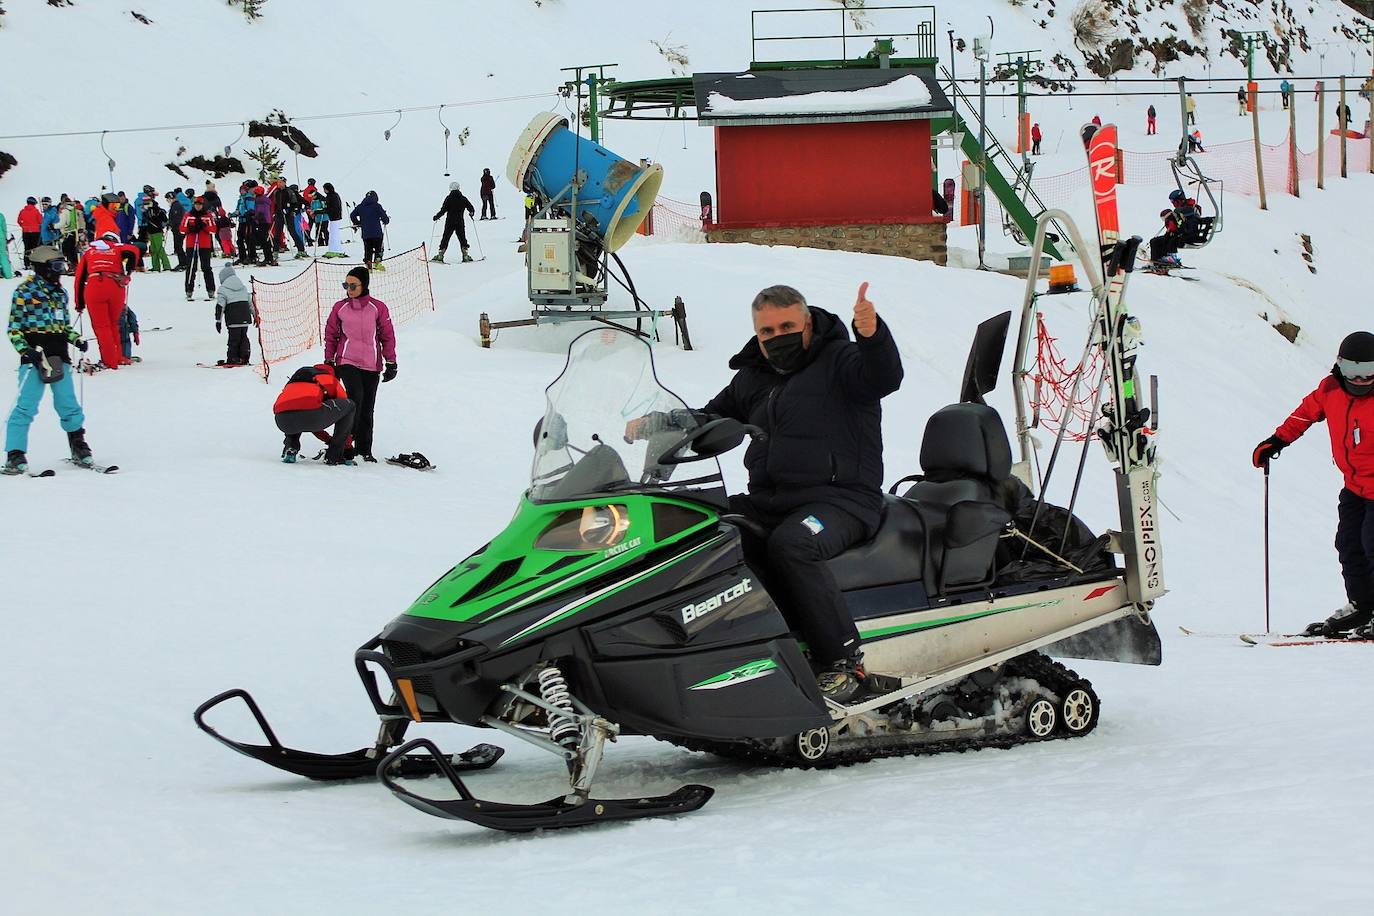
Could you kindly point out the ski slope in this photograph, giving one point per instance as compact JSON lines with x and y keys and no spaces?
{"x":1231,"y":779}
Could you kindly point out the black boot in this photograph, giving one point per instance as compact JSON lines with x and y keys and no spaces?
{"x":842,"y":680}
{"x":16,"y":462}
{"x":81,"y":452}
{"x":1340,"y":623}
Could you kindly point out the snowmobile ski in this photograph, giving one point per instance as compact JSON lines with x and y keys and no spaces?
{"x":358,"y":764}
{"x":412,"y":460}
{"x":516,"y":818}
{"x":97,"y":468}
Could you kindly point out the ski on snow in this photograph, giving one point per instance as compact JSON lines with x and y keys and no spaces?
{"x":1276,"y":639}
{"x":97,"y":468}
{"x":1297,"y":639}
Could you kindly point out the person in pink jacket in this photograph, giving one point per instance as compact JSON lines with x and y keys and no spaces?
{"x":360,"y":343}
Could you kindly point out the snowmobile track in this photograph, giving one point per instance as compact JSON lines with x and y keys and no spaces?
{"x":1048,"y":673}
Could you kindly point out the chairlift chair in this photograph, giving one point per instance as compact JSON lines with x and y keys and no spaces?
{"x":1192,"y":182}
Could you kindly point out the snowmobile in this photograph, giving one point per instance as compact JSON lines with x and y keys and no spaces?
{"x":618,"y":601}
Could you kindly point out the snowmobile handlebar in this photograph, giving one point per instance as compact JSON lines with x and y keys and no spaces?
{"x":712,"y":438}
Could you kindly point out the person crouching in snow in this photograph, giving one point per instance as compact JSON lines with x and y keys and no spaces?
{"x":312,"y":401}
{"x":40,"y":328}
{"x":1343,"y":401}
{"x":234,"y":310}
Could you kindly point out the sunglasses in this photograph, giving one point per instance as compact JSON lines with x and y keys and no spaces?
{"x":352,"y":284}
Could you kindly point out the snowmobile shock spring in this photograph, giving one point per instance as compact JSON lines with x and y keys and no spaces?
{"x":554,"y":689}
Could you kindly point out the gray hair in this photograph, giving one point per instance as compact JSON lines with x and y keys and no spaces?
{"x":780,"y":297}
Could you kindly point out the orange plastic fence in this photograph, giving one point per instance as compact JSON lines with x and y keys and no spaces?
{"x":291,"y":313}
{"x":1232,"y":163}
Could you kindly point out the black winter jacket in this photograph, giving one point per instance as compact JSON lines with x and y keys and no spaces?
{"x":824,"y":421}
{"x":333,"y":205}
{"x":454,"y":205}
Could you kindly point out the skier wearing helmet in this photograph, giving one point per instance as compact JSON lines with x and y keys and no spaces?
{"x":1343,"y":401}
{"x":102,"y":276}
{"x":40,"y":328}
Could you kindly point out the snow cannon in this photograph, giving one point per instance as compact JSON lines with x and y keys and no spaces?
{"x":614,"y":195}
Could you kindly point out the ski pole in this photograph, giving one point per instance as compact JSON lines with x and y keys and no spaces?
{"x":478,"y":239}
{"x":1266,"y":547}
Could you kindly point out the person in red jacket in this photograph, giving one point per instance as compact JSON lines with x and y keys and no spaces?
{"x":104,"y":215}
{"x":31,"y":227}
{"x":1036,"y":137}
{"x":313,"y":400}
{"x":199,"y":228}
{"x":102,"y":280}
{"x":1343,"y":401}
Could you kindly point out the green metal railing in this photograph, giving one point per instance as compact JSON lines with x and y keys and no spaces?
{"x":922,"y":37}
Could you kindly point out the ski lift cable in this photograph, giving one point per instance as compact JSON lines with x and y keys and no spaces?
{"x":319,"y":117}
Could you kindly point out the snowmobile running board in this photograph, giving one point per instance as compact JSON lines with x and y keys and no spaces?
{"x":357,"y":764}
{"x":565,"y":811}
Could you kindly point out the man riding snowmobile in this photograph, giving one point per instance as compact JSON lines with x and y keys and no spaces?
{"x":815,"y":477}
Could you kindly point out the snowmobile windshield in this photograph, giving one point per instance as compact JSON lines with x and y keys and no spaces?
{"x":608,"y":423}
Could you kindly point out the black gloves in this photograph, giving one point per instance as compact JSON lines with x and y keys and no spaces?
{"x":31,"y":356}
{"x":390,"y":372}
{"x":80,"y":345}
{"x":218,"y":328}
{"x":1266,"y":450}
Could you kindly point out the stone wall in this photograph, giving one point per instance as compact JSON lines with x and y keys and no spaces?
{"x":918,"y":241}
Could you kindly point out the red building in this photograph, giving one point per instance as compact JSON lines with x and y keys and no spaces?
{"x":825,"y":158}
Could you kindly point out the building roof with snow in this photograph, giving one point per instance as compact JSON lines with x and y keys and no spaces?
{"x":760,"y":97}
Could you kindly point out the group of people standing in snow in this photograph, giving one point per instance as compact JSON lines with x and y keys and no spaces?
{"x":104,"y":242}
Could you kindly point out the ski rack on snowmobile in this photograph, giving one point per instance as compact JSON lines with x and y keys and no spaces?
{"x":358,"y":764}
{"x":1128,"y":442}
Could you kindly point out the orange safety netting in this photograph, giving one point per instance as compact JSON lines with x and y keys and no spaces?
{"x":674,"y":220}
{"x":291,"y":313}
{"x":1231,"y":163}
{"x":1060,"y":394}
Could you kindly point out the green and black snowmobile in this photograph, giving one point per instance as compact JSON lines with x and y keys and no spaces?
{"x":618,"y":601}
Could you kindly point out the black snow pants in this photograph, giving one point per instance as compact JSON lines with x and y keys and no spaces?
{"x":1355,"y":547}
{"x":337,"y":413}
{"x":791,"y":562}
{"x":372,"y":250}
{"x":361,"y":386}
{"x":240,"y":348}
{"x":201,"y":255}
{"x":450,"y":227}
{"x":488,"y":205}
{"x":1162,"y":245}
{"x":179,"y":248}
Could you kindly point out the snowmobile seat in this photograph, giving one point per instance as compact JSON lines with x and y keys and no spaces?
{"x":895,"y":554}
{"x":966,"y":460}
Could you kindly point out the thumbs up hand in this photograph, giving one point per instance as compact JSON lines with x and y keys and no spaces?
{"x":865,"y":315}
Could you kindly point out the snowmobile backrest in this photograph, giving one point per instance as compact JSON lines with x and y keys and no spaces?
{"x":966,"y":440}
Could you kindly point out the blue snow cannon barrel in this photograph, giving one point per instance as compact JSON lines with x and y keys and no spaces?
{"x":615,"y":195}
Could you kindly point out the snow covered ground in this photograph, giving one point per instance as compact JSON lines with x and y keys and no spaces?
{"x":1230,"y":779}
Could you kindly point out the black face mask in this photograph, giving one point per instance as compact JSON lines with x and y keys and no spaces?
{"x":785,"y":352}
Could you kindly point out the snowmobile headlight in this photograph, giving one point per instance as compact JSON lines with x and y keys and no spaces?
{"x":587,"y":528}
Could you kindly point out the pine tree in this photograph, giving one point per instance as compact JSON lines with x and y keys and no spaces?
{"x":269,"y":161}
{"x":252,"y":9}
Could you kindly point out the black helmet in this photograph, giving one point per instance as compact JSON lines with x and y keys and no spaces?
{"x":1355,"y":363}
{"x":48,"y":261}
